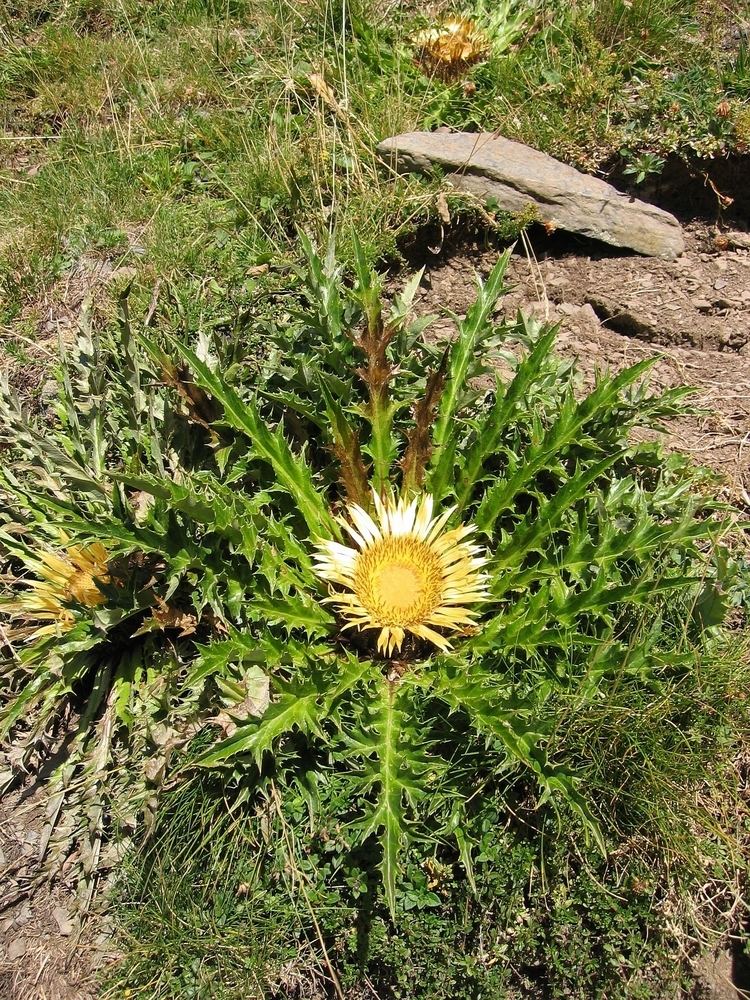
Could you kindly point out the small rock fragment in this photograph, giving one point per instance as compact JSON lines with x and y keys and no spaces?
{"x":621,"y":319}
{"x":738,"y":240}
{"x":588,"y":315}
{"x":63,"y":921}
{"x":16,"y":949}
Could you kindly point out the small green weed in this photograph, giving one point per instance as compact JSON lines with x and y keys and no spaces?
{"x":642,"y":166}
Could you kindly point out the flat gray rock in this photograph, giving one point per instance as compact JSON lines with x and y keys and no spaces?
{"x":515,"y":175}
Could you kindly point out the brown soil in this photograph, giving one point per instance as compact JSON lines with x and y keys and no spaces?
{"x":614,"y":310}
{"x":45,"y":952}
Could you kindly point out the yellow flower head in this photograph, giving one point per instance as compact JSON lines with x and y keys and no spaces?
{"x":66,"y":577}
{"x":449,"y":49}
{"x":407,"y":574}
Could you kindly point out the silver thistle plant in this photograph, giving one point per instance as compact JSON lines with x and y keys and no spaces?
{"x":403,"y":648}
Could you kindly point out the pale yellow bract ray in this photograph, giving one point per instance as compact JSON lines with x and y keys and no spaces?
{"x":406,"y":574}
{"x":67,"y":576}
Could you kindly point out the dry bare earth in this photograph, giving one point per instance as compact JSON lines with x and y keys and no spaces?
{"x":615,"y":309}
{"x":45,"y":953}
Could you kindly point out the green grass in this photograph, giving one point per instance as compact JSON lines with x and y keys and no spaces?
{"x":206,"y":140}
{"x":187,"y":139}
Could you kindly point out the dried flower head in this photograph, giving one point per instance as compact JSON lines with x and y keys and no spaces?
{"x":448,"y":50}
{"x":65,"y":578}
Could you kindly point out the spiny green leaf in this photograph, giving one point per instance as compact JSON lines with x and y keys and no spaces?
{"x":293,"y":472}
{"x":323,"y":284}
{"x":296,"y":710}
{"x":295,"y":612}
{"x":567,"y":429}
{"x":512,"y":723}
{"x":536,"y":528}
{"x":242,"y":648}
{"x":386,"y":741}
{"x":605,"y":598}
{"x":490,"y":431}
{"x":472,"y":330}
{"x":302,"y":705}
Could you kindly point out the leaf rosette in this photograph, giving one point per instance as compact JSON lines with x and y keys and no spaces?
{"x":371,"y":551}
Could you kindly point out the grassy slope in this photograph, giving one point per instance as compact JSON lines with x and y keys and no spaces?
{"x":188,"y":139}
{"x":194,"y":137}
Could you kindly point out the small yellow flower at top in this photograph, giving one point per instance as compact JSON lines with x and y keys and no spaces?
{"x":448,"y":50}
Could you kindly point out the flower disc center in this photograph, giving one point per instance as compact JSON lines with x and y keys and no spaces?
{"x":398,"y":581}
{"x":397,"y":586}
{"x":407,"y":573}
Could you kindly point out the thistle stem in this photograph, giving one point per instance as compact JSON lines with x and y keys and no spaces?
{"x":381,"y":419}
